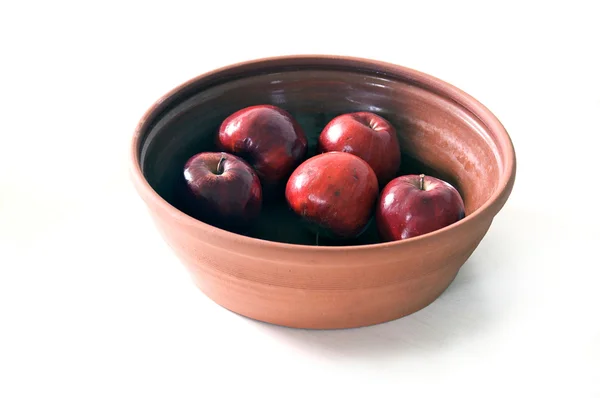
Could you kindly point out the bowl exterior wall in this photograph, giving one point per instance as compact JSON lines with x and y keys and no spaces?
{"x":321,"y":292}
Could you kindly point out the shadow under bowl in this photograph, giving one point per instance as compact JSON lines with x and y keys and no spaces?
{"x":274,"y":272}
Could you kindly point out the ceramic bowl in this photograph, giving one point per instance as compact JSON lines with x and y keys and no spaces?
{"x":276,"y":273}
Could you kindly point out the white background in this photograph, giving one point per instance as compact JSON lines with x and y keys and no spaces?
{"x":93,"y":303}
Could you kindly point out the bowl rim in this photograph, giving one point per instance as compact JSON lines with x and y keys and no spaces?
{"x":488,"y":209}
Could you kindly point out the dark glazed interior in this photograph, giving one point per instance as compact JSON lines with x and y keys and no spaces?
{"x":437,"y":135}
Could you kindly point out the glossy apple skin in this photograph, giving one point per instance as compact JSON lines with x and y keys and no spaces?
{"x":335,"y":192}
{"x":268,"y":138}
{"x":229,"y":195}
{"x":368,"y":136}
{"x":404,"y":210}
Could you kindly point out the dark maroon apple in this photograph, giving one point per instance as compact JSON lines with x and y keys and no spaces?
{"x":335,"y":192}
{"x":226,"y":192}
{"x":268,"y":138}
{"x":368,"y":136}
{"x":414,"y":205}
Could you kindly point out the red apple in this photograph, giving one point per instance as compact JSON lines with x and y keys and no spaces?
{"x":268,"y":138}
{"x":335,"y":192}
{"x":367,"y":136}
{"x":414,"y":205}
{"x":226,"y":191}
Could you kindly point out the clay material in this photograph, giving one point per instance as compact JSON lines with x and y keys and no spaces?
{"x":442,"y":132}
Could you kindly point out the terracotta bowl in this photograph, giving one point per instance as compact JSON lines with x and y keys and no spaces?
{"x":277,"y":274}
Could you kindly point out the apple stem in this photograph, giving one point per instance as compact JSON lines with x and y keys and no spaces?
{"x":220,"y":165}
{"x":421,"y":181}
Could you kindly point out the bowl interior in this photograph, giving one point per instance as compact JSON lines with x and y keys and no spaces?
{"x":438,"y":136}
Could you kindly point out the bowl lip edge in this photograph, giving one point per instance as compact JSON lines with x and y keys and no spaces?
{"x":487,"y":210}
